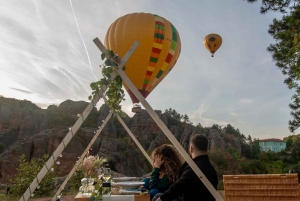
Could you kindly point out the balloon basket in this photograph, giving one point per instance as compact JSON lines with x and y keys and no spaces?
{"x":136,"y":110}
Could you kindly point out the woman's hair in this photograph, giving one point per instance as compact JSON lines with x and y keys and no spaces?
{"x":172,"y":160}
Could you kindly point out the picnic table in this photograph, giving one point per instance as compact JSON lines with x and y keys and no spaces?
{"x":146,"y":197}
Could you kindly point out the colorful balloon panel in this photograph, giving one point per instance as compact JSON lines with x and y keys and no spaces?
{"x":212,"y":42}
{"x":156,"y":54}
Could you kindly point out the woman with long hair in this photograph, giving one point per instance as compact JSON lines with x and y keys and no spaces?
{"x":166,"y":162}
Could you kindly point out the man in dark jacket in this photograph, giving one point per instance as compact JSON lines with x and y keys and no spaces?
{"x":189,"y":187}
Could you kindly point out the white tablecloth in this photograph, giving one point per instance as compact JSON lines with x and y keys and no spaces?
{"x":118,"y":198}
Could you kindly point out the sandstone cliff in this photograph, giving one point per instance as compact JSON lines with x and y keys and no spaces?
{"x":30,"y":130}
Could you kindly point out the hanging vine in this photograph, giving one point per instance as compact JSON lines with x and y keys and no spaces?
{"x":114,"y":93}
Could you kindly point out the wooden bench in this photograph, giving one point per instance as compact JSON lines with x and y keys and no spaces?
{"x":261,"y":187}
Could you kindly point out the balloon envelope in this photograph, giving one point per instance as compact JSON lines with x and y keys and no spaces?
{"x":212,"y":42}
{"x":156,"y":54}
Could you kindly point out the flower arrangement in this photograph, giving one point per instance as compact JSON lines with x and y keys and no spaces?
{"x":90,"y":163}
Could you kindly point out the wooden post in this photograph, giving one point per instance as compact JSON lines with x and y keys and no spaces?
{"x":62,"y":186}
{"x":163,"y":127}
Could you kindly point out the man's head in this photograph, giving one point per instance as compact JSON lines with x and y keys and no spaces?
{"x":198,"y":145}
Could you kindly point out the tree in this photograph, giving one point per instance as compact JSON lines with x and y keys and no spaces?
{"x":249,"y":138}
{"x":232,"y":151}
{"x":27,"y":171}
{"x":289,"y":143}
{"x":217,"y":157}
{"x":217,"y":127}
{"x":286,"y":50}
{"x":186,"y":118}
{"x":296,"y":149}
{"x":246,"y":150}
{"x":229,"y":129}
{"x":255,"y":148}
{"x":174,"y":114}
{"x":199,"y":125}
{"x":282,"y":6}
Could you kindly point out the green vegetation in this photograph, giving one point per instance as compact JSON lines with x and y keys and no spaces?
{"x":251,"y":160}
{"x":285,"y":51}
{"x":230,"y":163}
{"x":239,"y":155}
{"x":293,"y":146}
{"x":27,"y":171}
{"x":75,"y":180}
{"x":174,"y":114}
{"x":57,"y":118}
{"x":114,"y":93}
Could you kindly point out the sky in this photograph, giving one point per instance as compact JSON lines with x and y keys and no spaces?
{"x":45,"y":59}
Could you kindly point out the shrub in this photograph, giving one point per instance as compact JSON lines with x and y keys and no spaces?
{"x":75,"y":180}
{"x":27,"y":171}
{"x":220,"y":185}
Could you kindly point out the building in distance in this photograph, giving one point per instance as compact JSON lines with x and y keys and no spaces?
{"x":272,"y":144}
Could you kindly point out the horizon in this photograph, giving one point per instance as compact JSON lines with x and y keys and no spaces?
{"x":163,"y":111}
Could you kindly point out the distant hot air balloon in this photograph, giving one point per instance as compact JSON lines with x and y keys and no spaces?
{"x":156,"y":54}
{"x":212,"y":42}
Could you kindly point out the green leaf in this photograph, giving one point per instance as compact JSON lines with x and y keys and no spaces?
{"x":108,"y":62}
{"x":110,"y":70}
{"x":105,"y":82}
{"x":102,"y":56}
{"x":112,"y":53}
{"x":114,"y":91}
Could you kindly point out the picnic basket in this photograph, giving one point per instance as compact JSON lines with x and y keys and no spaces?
{"x":261,"y":187}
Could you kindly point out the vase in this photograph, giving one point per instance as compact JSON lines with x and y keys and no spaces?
{"x":87,"y":186}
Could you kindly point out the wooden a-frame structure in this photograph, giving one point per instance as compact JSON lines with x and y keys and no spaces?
{"x":118,"y":65}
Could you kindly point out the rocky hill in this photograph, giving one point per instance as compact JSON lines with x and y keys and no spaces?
{"x":30,"y":130}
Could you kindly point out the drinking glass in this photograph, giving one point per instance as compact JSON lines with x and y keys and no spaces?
{"x":100,"y":173}
{"x":106,"y":174}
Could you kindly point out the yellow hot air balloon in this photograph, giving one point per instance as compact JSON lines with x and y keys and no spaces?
{"x":156,"y":54}
{"x":212,"y":42}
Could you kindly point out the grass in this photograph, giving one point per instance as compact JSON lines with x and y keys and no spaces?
{"x":3,"y":197}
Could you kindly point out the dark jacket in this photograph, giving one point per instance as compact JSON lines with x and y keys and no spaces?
{"x":188,"y":186}
{"x":156,"y":183}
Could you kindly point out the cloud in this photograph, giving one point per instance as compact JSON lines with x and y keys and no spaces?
{"x":240,"y":121}
{"x":233,"y":114}
{"x":21,"y":90}
{"x":246,"y":101}
{"x":198,"y":115}
{"x":41,"y":52}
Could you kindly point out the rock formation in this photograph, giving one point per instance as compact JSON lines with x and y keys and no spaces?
{"x":30,"y":130}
